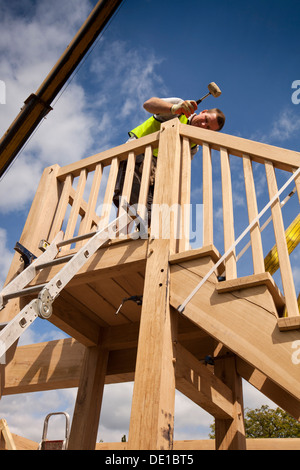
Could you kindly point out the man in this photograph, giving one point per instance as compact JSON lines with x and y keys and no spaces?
{"x":162,"y":110}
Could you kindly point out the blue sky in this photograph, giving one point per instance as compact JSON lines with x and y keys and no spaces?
{"x":151,"y":48}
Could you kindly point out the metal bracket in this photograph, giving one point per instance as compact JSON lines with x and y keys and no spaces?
{"x":45,"y":304}
{"x":26,"y":255}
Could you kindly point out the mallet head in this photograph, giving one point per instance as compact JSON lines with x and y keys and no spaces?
{"x":214,"y":89}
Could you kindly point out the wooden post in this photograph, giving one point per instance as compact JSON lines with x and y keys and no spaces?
{"x":152,"y":413}
{"x":230,"y":433}
{"x":85,"y":422}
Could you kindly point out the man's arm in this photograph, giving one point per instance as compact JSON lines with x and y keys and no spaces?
{"x":157,"y":106}
{"x":171,"y":106}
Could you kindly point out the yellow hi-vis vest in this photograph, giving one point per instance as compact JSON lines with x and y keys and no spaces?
{"x":153,"y":125}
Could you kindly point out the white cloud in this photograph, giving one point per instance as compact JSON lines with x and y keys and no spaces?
{"x":286,"y":126}
{"x":6,"y":256}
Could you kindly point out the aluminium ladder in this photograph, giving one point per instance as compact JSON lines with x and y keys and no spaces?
{"x":42,"y":305}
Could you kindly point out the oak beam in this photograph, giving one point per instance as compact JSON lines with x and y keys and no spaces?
{"x":198,"y":383}
{"x":154,"y":384}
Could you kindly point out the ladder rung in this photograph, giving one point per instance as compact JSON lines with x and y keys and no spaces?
{"x":23,"y":292}
{"x":75,"y":239}
{"x":54,"y":262}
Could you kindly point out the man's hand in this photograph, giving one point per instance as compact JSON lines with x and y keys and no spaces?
{"x":187,"y":108}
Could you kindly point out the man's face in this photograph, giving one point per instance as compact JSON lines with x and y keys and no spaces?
{"x":206,"y":120}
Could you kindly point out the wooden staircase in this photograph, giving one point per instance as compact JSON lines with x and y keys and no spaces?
{"x":248,"y":324}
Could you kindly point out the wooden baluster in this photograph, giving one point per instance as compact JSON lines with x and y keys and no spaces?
{"x":87,"y":220}
{"x":144,"y":189}
{"x":62,"y":208}
{"x":207,"y":197}
{"x":283,"y":255}
{"x":185,"y":196}
{"x":228,"y":220}
{"x":127,"y":187}
{"x":297,"y":183}
{"x":75,"y":207}
{"x":109,"y":192}
{"x":256,"y":243}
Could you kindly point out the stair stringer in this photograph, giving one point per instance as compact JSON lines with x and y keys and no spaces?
{"x":245,"y":323}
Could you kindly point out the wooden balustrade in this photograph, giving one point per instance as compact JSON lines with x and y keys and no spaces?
{"x":80,"y":213}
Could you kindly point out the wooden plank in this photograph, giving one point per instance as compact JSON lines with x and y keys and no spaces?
{"x":256,"y":243}
{"x":283,"y":255}
{"x":209,"y":444}
{"x":228,"y":219}
{"x":75,"y":319}
{"x":281,"y":158}
{"x":207,"y":196}
{"x":101,"y":306}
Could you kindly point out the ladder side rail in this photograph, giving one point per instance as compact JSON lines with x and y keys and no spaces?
{"x":63,"y":277}
{"x":29,"y":273}
{"x":43,"y":305}
{"x":282,"y":249}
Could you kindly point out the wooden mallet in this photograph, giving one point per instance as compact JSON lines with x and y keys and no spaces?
{"x":213,"y":90}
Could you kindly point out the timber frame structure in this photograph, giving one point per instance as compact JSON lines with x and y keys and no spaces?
{"x":246,"y":324}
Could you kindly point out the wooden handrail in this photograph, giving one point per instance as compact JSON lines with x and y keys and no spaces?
{"x":284,"y":159}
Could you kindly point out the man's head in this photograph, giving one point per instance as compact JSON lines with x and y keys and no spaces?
{"x":212,"y":119}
